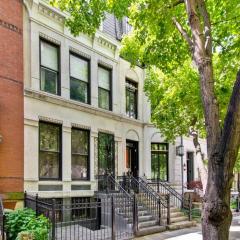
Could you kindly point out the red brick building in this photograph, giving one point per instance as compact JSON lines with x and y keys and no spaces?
{"x":11,"y":101}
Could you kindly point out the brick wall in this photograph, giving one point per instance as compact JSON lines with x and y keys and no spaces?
{"x":11,"y":98}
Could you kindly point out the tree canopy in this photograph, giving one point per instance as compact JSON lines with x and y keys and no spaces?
{"x":172,"y":82}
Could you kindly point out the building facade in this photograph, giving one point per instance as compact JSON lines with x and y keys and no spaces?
{"x":11,"y":102}
{"x":85,"y":112}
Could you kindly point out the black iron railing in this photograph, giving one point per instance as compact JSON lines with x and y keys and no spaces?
{"x":97,"y":219}
{"x":163,"y":188}
{"x":2,"y":220}
{"x":146,"y":196}
{"x":175,"y":198}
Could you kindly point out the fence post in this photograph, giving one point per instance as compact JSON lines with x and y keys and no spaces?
{"x":25,"y":199}
{"x":238,"y":204}
{"x":113,"y":220}
{"x":159,"y":214}
{"x":53,"y":218}
{"x":158,"y":189}
{"x":168,"y":209}
{"x":135,"y":215}
{"x":3,"y":227}
{"x":190,"y":208}
{"x":36,"y":205}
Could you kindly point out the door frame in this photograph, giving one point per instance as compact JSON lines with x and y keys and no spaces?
{"x":136,"y":160}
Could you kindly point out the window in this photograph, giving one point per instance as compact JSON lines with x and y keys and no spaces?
{"x":49,"y":151}
{"x":106,"y":153}
{"x":49,"y":68}
{"x":159,"y":161}
{"x":79,"y":79}
{"x":131,"y":99}
{"x":80,"y":154}
{"x":104,"y":88}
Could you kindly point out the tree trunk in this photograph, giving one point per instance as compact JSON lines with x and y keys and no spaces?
{"x":222,"y":143}
{"x":199,"y":159}
{"x":217,"y":214}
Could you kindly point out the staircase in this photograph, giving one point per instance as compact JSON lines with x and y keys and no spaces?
{"x":145,"y":210}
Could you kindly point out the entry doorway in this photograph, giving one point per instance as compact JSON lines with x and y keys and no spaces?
{"x":132,"y":163}
{"x":190,"y":167}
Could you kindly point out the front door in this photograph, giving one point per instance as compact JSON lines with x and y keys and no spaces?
{"x":190,"y":169}
{"x":132,"y":157}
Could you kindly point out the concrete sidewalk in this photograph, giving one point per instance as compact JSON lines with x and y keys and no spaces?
{"x":193,"y":233}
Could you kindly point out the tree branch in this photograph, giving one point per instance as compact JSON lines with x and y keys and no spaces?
{"x":230,"y":140}
{"x":183,"y":33}
{"x":176,"y":3}
{"x":207,"y":26}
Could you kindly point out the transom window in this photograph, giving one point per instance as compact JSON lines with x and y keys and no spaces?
{"x":49,"y":151}
{"x":79,"y":79}
{"x":49,"y":67}
{"x":159,"y":161}
{"x":104,"y":88}
{"x":131,"y":99}
{"x":80,"y":154}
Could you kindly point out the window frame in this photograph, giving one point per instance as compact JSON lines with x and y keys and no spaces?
{"x":167,"y":159}
{"x":60,"y":152}
{"x":114,"y":151}
{"x":89,"y":76}
{"x":135,"y":97}
{"x":88,"y":155}
{"x":41,"y":39}
{"x":110,"y":84}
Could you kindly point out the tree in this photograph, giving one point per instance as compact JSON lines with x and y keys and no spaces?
{"x":191,"y":51}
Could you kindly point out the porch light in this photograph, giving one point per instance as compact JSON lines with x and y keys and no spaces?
{"x":180,"y":150}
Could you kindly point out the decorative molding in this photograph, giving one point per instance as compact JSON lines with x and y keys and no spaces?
{"x":95,"y":156}
{"x":105,"y":131}
{"x":76,"y":125}
{"x":10,"y":26}
{"x":50,"y":39}
{"x":83,"y":54}
{"x":101,"y":62}
{"x":30,"y":122}
{"x":63,"y":102}
{"x":48,"y":12}
{"x":51,"y":120}
{"x":102,"y":41}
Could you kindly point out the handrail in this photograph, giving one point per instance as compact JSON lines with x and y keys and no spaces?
{"x":111,"y":178}
{"x":168,"y":187}
{"x":121,"y":189}
{"x":150,"y":189}
{"x":163,"y":187}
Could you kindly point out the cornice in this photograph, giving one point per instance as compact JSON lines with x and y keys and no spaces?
{"x":58,"y":100}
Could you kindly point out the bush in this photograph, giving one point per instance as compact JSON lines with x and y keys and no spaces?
{"x":25,"y":220}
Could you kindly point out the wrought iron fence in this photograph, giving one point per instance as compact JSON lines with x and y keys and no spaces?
{"x":175,"y":199}
{"x":100,"y":218}
{"x":2,"y":217}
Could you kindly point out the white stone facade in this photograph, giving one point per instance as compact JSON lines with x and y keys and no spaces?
{"x":43,"y":21}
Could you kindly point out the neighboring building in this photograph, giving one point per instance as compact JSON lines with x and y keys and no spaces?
{"x":11,"y":102}
{"x":85,"y":111}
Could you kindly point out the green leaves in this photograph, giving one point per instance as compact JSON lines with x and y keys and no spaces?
{"x":172,"y":84}
{"x":25,"y":220}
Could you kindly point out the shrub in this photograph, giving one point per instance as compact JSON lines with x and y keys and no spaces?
{"x":25,"y":220}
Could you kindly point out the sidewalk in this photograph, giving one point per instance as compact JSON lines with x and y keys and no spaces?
{"x":193,"y":233}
